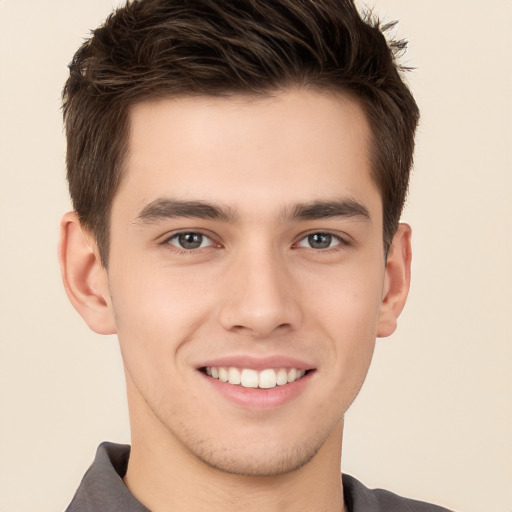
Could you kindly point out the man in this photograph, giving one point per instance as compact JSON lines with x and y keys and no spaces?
{"x":238,"y":171}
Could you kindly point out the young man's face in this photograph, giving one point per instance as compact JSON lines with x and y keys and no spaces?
{"x":246,"y":234}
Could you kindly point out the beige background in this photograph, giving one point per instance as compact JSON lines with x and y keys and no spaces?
{"x":434,"y":420}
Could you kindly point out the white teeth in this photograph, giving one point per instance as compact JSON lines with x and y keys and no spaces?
{"x":234,"y":376}
{"x":267,"y":379}
{"x":282,"y":377}
{"x":248,"y":378}
{"x":292,"y":375}
{"x":223,"y":374}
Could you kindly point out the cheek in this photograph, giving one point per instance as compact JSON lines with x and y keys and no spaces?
{"x":348,"y":299}
{"x":154,"y":318}
{"x":349,"y":308}
{"x":157,"y":299}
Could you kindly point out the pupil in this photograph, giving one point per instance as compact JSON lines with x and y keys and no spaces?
{"x":320,"y":240}
{"x":190,"y":240}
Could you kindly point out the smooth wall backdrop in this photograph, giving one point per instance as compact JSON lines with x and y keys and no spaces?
{"x":434,"y":420}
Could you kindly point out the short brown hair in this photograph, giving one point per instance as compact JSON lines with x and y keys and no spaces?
{"x":151,"y":48}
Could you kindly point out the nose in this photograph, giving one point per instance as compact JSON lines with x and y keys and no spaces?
{"x":261,"y":296}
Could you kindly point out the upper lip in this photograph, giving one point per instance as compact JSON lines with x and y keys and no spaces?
{"x":258,"y":363}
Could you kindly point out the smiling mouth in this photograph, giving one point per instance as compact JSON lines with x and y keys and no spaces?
{"x":249,"y":378}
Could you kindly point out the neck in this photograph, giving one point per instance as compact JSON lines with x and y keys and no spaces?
{"x":164,"y":476}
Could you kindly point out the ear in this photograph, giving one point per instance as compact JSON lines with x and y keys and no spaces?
{"x":396,"y":281}
{"x":85,"y":278}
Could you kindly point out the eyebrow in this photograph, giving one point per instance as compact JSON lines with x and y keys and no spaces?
{"x":168,"y":208}
{"x":317,"y":210}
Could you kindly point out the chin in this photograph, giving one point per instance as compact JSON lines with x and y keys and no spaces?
{"x":260,"y":461}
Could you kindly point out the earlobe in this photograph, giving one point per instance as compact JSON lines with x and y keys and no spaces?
{"x":397,"y":281}
{"x":84,"y":277}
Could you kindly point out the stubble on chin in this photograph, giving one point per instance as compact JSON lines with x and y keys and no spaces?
{"x":269,"y":460}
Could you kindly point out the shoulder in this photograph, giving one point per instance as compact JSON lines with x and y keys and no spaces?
{"x":361,"y":499}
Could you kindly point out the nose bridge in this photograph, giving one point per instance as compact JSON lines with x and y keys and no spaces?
{"x":260,"y":295}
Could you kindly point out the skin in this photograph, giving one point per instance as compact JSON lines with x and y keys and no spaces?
{"x":255,"y":288}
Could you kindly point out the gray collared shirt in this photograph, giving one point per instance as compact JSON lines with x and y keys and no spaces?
{"x":102,"y":489}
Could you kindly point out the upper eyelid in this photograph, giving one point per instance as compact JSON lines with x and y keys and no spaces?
{"x":170,"y":245}
{"x":341,"y":242}
{"x":175,"y":235}
{"x":169,"y":235}
{"x":343,"y":237}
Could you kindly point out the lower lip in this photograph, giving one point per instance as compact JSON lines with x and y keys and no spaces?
{"x":258,"y":398}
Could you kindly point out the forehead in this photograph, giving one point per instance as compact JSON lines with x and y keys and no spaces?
{"x":244,"y":151}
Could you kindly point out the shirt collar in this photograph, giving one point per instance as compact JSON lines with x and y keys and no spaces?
{"x":102,"y":487}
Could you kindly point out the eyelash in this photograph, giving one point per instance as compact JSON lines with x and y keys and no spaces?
{"x":180,"y":250}
{"x":341,"y":242}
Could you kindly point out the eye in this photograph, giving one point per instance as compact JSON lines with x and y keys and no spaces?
{"x":190,"y":240}
{"x":320,"y":241}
